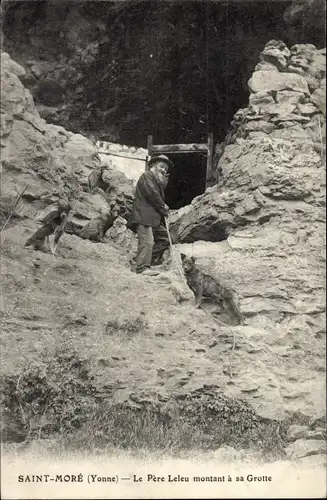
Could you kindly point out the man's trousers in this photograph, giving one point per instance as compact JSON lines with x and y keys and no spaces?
{"x":152,"y":242}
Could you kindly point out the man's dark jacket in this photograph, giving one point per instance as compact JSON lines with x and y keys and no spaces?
{"x":149,"y":202}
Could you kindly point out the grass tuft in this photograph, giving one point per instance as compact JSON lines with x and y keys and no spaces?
{"x":58,"y":400}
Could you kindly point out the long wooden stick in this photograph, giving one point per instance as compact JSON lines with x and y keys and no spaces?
{"x":321,"y":141}
{"x":172,"y":250}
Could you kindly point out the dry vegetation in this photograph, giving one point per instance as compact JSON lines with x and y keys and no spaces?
{"x":58,"y":399}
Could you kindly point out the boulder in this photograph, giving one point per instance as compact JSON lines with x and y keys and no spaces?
{"x":46,"y":158}
{"x":317,"y":67}
{"x":301,"y":55}
{"x":7,"y":64}
{"x":266,"y":66}
{"x":304,"y":448}
{"x":119,"y":186}
{"x":261,"y":100}
{"x":312,"y":82}
{"x":307,"y":109}
{"x":312,"y":462}
{"x":273,"y":81}
{"x":319,"y":97}
{"x":289,"y":97}
{"x":277,"y":53}
{"x":259,"y":126}
{"x":291,"y":117}
{"x":298,"y":432}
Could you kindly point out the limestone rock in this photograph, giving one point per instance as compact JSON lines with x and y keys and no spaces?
{"x":297,"y":432}
{"x":266,"y":66}
{"x":304,"y":448}
{"x":307,"y":109}
{"x":259,"y":126}
{"x":317,"y":434}
{"x":316,"y":129}
{"x":179,"y":288}
{"x":295,"y":133}
{"x":312,"y":461}
{"x":119,"y":186}
{"x":272,"y":81}
{"x":276,"y":52}
{"x":253,"y":228}
{"x":317,"y":68}
{"x":289,"y":97}
{"x":220,"y":210}
{"x":319,"y":97}
{"x":7,"y":64}
{"x":286,"y":102}
{"x":44,"y":155}
{"x":301,"y":55}
{"x":261,"y":100}
{"x":313,"y":83}
{"x":296,"y":69}
{"x":292,"y":117}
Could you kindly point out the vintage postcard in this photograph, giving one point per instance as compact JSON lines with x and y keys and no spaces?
{"x":163,"y":254}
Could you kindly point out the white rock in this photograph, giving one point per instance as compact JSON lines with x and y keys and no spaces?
{"x":266,"y":81}
{"x":297,"y":431}
{"x":305,"y":447}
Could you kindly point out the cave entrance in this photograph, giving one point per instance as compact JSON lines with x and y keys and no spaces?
{"x":187,"y":179}
{"x":192,"y":172}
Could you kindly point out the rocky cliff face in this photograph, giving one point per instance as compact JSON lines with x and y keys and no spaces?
{"x":272,"y":159}
{"x":44,"y":158}
{"x":77,"y":56}
{"x":268,"y":213}
{"x":262,"y":232}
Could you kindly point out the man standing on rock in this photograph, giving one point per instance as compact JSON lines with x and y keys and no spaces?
{"x":149,"y":212}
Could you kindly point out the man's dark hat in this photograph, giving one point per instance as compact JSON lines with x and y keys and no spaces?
{"x":164,"y":158}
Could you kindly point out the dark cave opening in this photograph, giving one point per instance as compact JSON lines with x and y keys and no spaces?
{"x":187,"y":179}
{"x":121,"y":71}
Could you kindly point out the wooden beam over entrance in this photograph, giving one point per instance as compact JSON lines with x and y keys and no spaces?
{"x":179,"y":148}
{"x":155,"y":149}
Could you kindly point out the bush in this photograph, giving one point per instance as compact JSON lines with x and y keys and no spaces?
{"x":47,"y":398}
{"x":59,"y":399}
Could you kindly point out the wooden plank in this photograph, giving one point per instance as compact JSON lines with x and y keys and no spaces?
{"x":209,"y":160}
{"x":150,"y":144}
{"x":150,"y":151}
{"x":147,"y":163}
{"x":179,"y":148}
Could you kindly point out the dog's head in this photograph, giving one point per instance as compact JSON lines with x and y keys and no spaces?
{"x":188,"y":263}
{"x":114,"y":210}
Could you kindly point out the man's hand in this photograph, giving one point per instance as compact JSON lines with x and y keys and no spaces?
{"x":166,"y":212}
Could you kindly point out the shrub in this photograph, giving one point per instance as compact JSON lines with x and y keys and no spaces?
{"x":47,"y":398}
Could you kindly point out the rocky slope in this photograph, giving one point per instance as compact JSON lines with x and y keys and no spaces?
{"x":44,"y":158}
{"x":142,"y":337}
